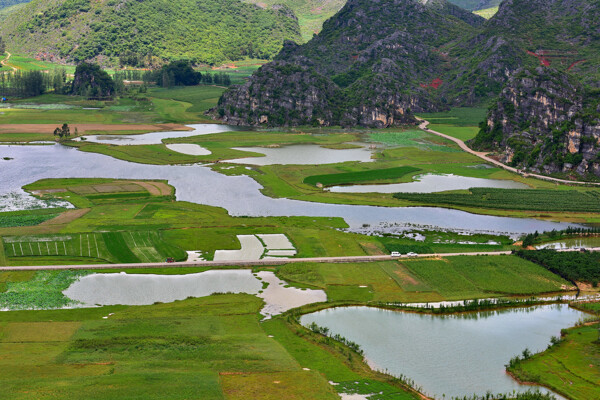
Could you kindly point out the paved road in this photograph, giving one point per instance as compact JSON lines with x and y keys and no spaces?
{"x":484,"y":157}
{"x":251,"y":263}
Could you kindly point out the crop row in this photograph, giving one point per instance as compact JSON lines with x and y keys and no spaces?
{"x":514,"y":199}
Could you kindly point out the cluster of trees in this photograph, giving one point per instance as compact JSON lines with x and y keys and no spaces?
{"x":64,"y":132}
{"x":573,"y":266}
{"x":32,"y":83}
{"x":2,"y":46}
{"x":92,"y":81}
{"x":181,"y":73}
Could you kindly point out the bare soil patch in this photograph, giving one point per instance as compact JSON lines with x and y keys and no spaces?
{"x":155,"y":188}
{"x":66,"y":217}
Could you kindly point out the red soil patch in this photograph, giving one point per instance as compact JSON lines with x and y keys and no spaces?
{"x":575,"y":63}
{"x":436,"y":83}
{"x":543,"y":61}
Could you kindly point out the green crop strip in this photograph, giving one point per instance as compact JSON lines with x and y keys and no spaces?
{"x":361,"y":176}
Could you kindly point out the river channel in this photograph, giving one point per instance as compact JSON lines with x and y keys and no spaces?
{"x":239,"y":195}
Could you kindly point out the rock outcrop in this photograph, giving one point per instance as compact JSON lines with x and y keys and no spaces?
{"x":381,"y":60}
{"x":373,"y":64}
{"x":545,"y":121}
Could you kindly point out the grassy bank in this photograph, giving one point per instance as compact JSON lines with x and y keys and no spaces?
{"x":570,"y":367}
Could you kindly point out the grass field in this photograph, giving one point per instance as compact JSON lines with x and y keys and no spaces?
{"x":461,"y":123}
{"x":571,"y":368}
{"x":209,"y":348}
{"x":426,"y":280}
{"x":176,"y":105}
{"x":487,"y":13}
{"x":119,"y":221}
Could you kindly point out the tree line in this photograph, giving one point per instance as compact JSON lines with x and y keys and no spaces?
{"x":32,"y":83}
{"x":91,"y":81}
{"x":181,"y":73}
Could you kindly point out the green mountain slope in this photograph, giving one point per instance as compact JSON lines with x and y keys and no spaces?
{"x":311,"y":13}
{"x":209,"y":31}
{"x":372,"y":64}
{"x":7,"y":11}
{"x":562,"y":34}
{"x":9,"y":3}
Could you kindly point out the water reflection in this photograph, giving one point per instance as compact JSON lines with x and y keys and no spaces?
{"x":451,"y":355}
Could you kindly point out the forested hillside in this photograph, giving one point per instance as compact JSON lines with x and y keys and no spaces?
{"x":207,"y":31}
{"x":8,"y":3}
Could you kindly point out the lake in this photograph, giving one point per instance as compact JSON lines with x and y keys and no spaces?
{"x":145,"y":289}
{"x":451,"y":355}
{"x":572,"y":243}
{"x":430,"y":183}
{"x":303,"y":154}
{"x":157,"y":137}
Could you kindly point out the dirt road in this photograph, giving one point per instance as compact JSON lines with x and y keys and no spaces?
{"x":3,"y":62}
{"x":484,"y":157}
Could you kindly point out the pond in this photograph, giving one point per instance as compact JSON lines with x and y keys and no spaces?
{"x":303,"y":154}
{"x":145,"y":289}
{"x":451,"y":355}
{"x":157,"y":137}
{"x":572,"y":243}
{"x":239,"y":195}
{"x":430,"y":183}
{"x":189,"y":148}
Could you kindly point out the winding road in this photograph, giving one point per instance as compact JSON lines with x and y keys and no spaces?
{"x":3,"y":62}
{"x":252,"y":263}
{"x":483,"y":156}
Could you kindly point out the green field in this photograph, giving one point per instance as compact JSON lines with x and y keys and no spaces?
{"x":514,"y":199}
{"x":487,"y":13}
{"x":571,"y":368}
{"x":363,"y":176}
{"x":209,"y":348}
{"x":27,"y":218}
{"x":176,"y":105}
{"x":449,"y":278}
{"x":461,"y":123}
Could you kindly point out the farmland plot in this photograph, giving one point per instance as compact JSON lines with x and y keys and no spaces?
{"x":124,"y":247}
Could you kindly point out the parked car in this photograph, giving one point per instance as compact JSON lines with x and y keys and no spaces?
{"x":170,"y":260}
{"x":411,"y":254}
{"x":396,"y":254}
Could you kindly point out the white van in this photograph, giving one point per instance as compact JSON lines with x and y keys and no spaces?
{"x":396,"y":254}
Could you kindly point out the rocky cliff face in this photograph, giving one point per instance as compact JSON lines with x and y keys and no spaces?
{"x":373,"y":64}
{"x":561,"y":34}
{"x":545,"y":121}
{"x":381,"y":60}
